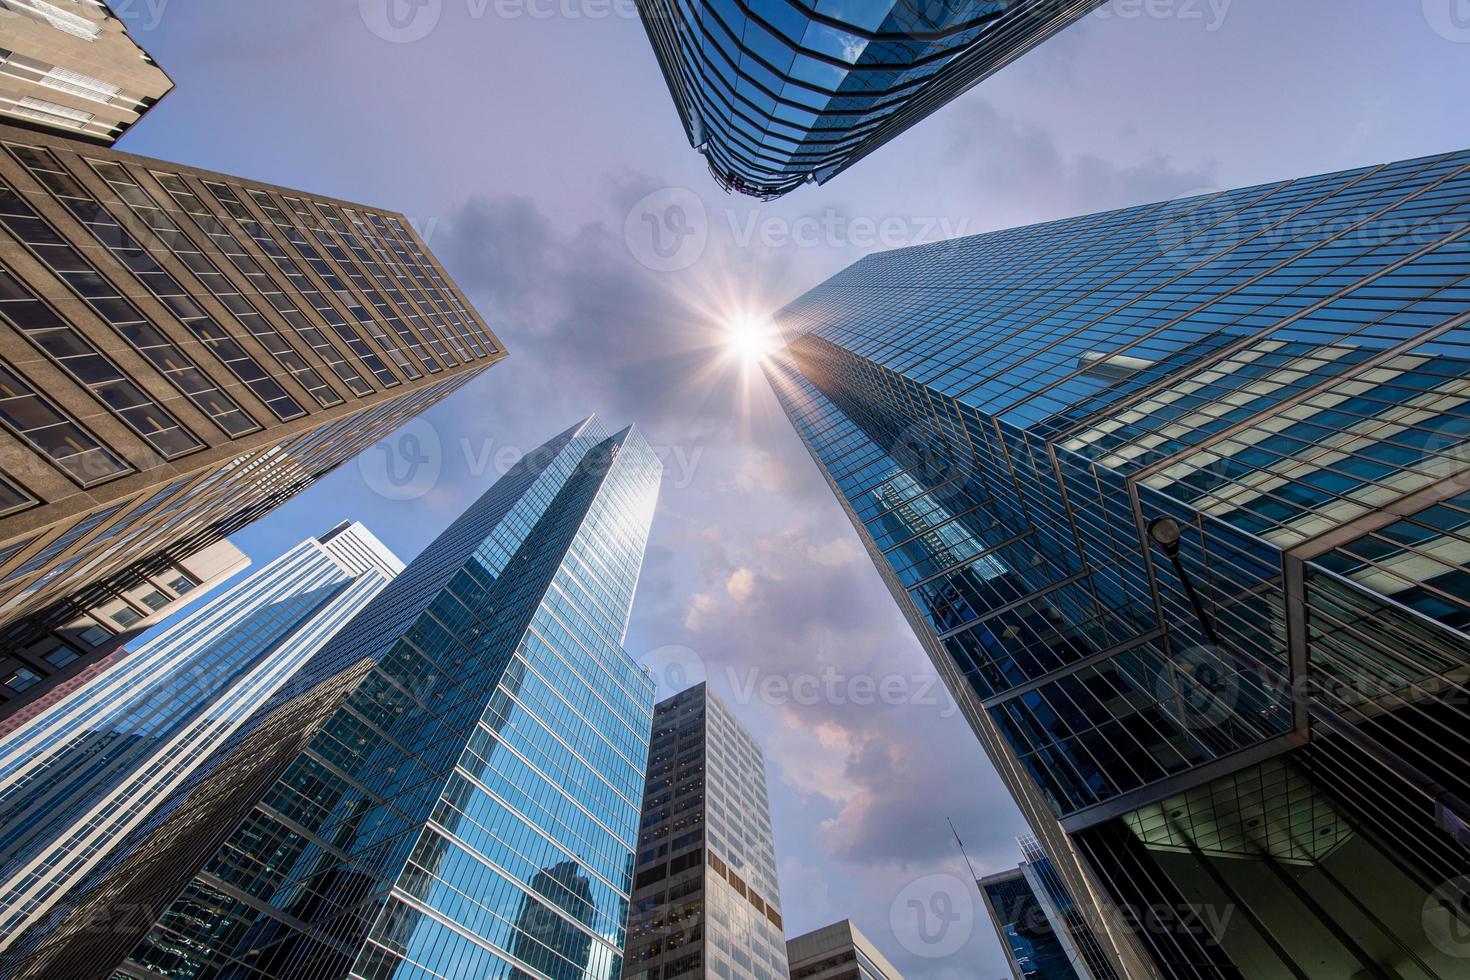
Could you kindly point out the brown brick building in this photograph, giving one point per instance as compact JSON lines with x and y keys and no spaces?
{"x":181,"y":351}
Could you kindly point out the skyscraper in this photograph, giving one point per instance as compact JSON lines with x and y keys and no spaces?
{"x":181,"y":351}
{"x":71,"y":67}
{"x":1048,"y":936}
{"x":781,"y":94}
{"x":1176,"y":499}
{"x":90,"y":768}
{"x":838,"y":952}
{"x":706,"y":900}
{"x":448,"y":787}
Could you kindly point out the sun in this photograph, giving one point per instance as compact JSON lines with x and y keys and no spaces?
{"x":750,"y":338}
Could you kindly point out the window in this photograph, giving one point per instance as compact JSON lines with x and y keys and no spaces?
{"x":58,"y":437}
{"x":51,"y":113}
{"x":155,"y":599}
{"x":94,"y":635}
{"x":126,"y":616}
{"x":182,"y":585}
{"x":65,"y":80}
{"x":60,"y":654}
{"x":22,"y":679}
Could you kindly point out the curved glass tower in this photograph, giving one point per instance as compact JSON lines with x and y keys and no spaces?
{"x":800,"y":90}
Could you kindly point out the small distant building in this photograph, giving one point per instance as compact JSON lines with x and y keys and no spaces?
{"x":838,"y":952}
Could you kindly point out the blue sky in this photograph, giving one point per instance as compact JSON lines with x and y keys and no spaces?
{"x":528,"y":139}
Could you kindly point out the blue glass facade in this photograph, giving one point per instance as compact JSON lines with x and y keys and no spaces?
{"x":90,"y":768}
{"x":448,"y":788}
{"x":1279,"y":369}
{"x":778,"y":94}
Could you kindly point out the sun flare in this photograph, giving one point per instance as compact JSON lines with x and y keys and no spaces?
{"x":750,"y":338}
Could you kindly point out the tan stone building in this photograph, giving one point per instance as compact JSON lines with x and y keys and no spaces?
{"x":70,"y":66}
{"x":838,"y":952}
{"x":181,"y":351}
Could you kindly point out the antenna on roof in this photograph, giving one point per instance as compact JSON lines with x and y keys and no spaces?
{"x":957,"y":840}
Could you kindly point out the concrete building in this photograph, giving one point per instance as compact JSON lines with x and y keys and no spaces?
{"x":706,"y":901}
{"x":182,"y":351}
{"x":70,"y":66}
{"x":838,"y":952}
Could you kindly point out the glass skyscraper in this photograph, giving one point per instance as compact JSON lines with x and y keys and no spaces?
{"x":1177,"y":499}
{"x":1047,"y":935}
{"x":180,"y":352}
{"x":448,"y":788}
{"x":77,"y":778}
{"x":778,"y":94}
{"x":706,"y":901}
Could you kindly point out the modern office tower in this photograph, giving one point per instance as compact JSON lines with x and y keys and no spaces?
{"x":1034,"y":949}
{"x":449,"y":787}
{"x":60,"y":658}
{"x":181,"y":351}
{"x":838,"y":952}
{"x":70,"y":66}
{"x":706,"y":901}
{"x":775,"y":96}
{"x":1037,"y":920}
{"x":1176,"y":498}
{"x":86,"y":771}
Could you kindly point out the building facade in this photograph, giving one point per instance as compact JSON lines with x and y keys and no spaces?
{"x":181,"y":351}
{"x":1049,"y":937}
{"x":70,"y":66}
{"x":90,"y":768}
{"x":447,"y":788}
{"x":793,"y":93}
{"x":838,"y":952}
{"x":1175,"y":498}
{"x":706,"y":900}
{"x":58,"y":661}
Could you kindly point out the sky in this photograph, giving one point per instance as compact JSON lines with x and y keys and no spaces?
{"x":532,"y":142}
